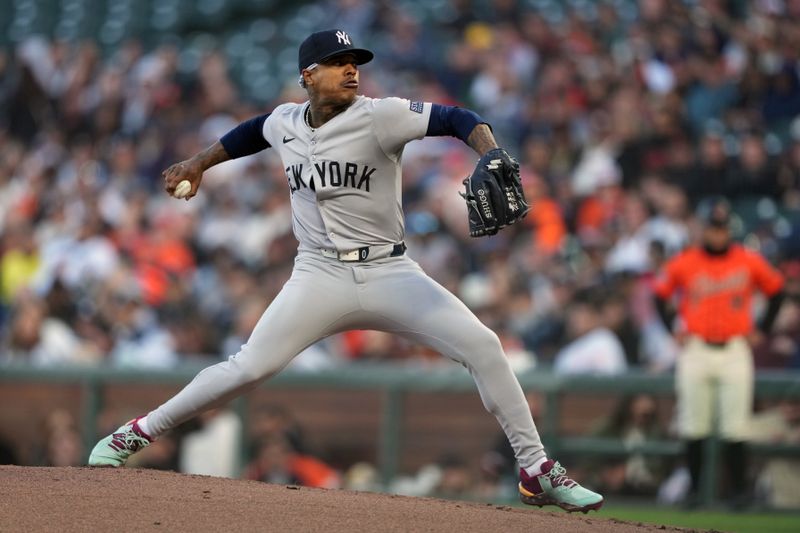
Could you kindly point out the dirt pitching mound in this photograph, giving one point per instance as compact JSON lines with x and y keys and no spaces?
{"x":97,"y":499}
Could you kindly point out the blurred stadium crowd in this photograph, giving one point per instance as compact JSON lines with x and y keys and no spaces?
{"x":625,"y":115}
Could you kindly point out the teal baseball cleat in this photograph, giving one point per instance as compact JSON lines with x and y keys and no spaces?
{"x":115,"y":449}
{"x":554,"y":487}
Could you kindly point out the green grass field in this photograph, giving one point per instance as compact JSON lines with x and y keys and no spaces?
{"x":719,"y":520}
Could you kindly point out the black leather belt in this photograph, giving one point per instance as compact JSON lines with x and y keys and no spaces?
{"x":399,"y":249}
{"x":716,"y":344}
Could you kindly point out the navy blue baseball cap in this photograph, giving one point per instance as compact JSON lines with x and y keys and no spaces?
{"x":716,"y":212}
{"x":323,"y":45}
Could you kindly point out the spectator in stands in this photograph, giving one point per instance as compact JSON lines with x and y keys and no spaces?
{"x":635,"y":421}
{"x":668,"y":225}
{"x":713,"y":164}
{"x":712,"y":93}
{"x":545,"y":219}
{"x":214,"y":447}
{"x":544,"y":328}
{"x":630,"y":253}
{"x":19,"y":260}
{"x":619,"y":318}
{"x":778,"y":480}
{"x":789,"y":176}
{"x":63,"y":445}
{"x":456,"y":480}
{"x":140,"y":339}
{"x":277,"y":420}
{"x":781,"y":350}
{"x":755,"y":174}
{"x":41,"y":339}
{"x":593,"y":347}
{"x":362,"y":476}
{"x":277,"y":462}
{"x":449,"y":476}
{"x":434,"y":249}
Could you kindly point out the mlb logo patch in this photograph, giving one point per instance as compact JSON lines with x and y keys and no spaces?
{"x":416,"y":107}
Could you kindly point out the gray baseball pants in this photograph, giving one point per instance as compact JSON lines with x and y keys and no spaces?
{"x":326,"y":296}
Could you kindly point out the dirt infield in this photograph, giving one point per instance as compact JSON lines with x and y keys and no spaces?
{"x":91,"y":499}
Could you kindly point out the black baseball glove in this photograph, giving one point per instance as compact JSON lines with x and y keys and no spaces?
{"x":494,"y":194}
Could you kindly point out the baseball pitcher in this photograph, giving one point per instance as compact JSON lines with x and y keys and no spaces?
{"x":342,"y":156}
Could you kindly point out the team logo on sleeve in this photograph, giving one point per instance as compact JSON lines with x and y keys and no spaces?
{"x":416,"y":107}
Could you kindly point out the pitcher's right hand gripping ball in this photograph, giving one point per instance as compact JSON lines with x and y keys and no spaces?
{"x":494,"y":194}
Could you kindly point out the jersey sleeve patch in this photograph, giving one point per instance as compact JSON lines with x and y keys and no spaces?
{"x":416,"y":107}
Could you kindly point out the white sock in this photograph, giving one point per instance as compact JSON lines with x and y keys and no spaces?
{"x":534,"y":470}
{"x":142,"y":422}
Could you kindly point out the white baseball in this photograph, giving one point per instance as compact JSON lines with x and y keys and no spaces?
{"x":183,"y":188}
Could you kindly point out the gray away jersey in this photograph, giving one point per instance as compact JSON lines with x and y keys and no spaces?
{"x":345,"y":176}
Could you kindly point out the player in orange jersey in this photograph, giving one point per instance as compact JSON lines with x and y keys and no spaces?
{"x":713,"y":285}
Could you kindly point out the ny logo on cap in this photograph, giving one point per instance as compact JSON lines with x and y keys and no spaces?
{"x":342,"y":37}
